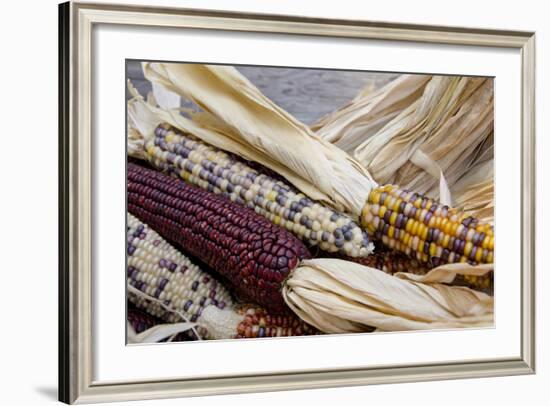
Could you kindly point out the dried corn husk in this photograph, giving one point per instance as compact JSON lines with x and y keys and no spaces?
{"x":474,"y":192}
{"x":249,"y":124}
{"x":447,"y":126}
{"x":343,"y":297}
{"x":369,"y":112}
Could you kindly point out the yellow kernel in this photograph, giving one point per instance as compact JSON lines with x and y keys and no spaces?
{"x":417,"y":203}
{"x":365,"y":214}
{"x":491,"y":243}
{"x":490,"y":257}
{"x":468,"y":248}
{"x":445,"y":242}
{"x":277,"y":220}
{"x":406,"y":238}
{"x":150,"y":149}
{"x":409,"y":225}
{"x":485,"y":243}
{"x":414,"y":230}
{"x":391,"y":231}
{"x":382,"y":211}
{"x":374,"y":197}
{"x":428,"y":204}
{"x":393,"y":217}
{"x":437,"y":222}
{"x":271,"y":195}
{"x":396,"y":205}
{"x":479,"y":254}
{"x":433,"y":249}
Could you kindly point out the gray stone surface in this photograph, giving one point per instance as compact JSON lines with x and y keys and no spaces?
{"x":308,"y":94}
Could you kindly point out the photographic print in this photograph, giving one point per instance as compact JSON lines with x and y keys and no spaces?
{"x":279,"y":202}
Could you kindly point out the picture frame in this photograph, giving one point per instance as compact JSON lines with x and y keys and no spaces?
{"x":76,"y":213}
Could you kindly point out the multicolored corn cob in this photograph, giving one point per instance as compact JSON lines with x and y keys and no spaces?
{"x":257,"y":323}
{"x":214,"y":170}
{"x":161,"y":272}
{"x":252,"y":253}
{"x":424,"y":229}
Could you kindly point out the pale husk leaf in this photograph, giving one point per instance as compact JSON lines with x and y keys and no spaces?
{"x":447,"y":124}
{"x":369,"y":111}
{"x":269,"y":133}
{"x":339,"y":296}
{"x":157,"y":333}
{"x":474,"y":192}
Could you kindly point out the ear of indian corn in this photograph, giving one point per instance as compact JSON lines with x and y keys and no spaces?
{"x":252,"y":253}
{"x":426,"y":230}
{"x":217,"y":171}
{"x":162,"y":273}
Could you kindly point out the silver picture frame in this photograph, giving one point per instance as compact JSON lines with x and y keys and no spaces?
{"x":76,"y":22}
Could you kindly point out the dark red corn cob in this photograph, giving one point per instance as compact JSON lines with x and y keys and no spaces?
{"x":257,"y":323}
{"x":251,"y":252}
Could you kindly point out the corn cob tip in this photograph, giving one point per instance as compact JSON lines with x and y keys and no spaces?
{"x":220,"y":323}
